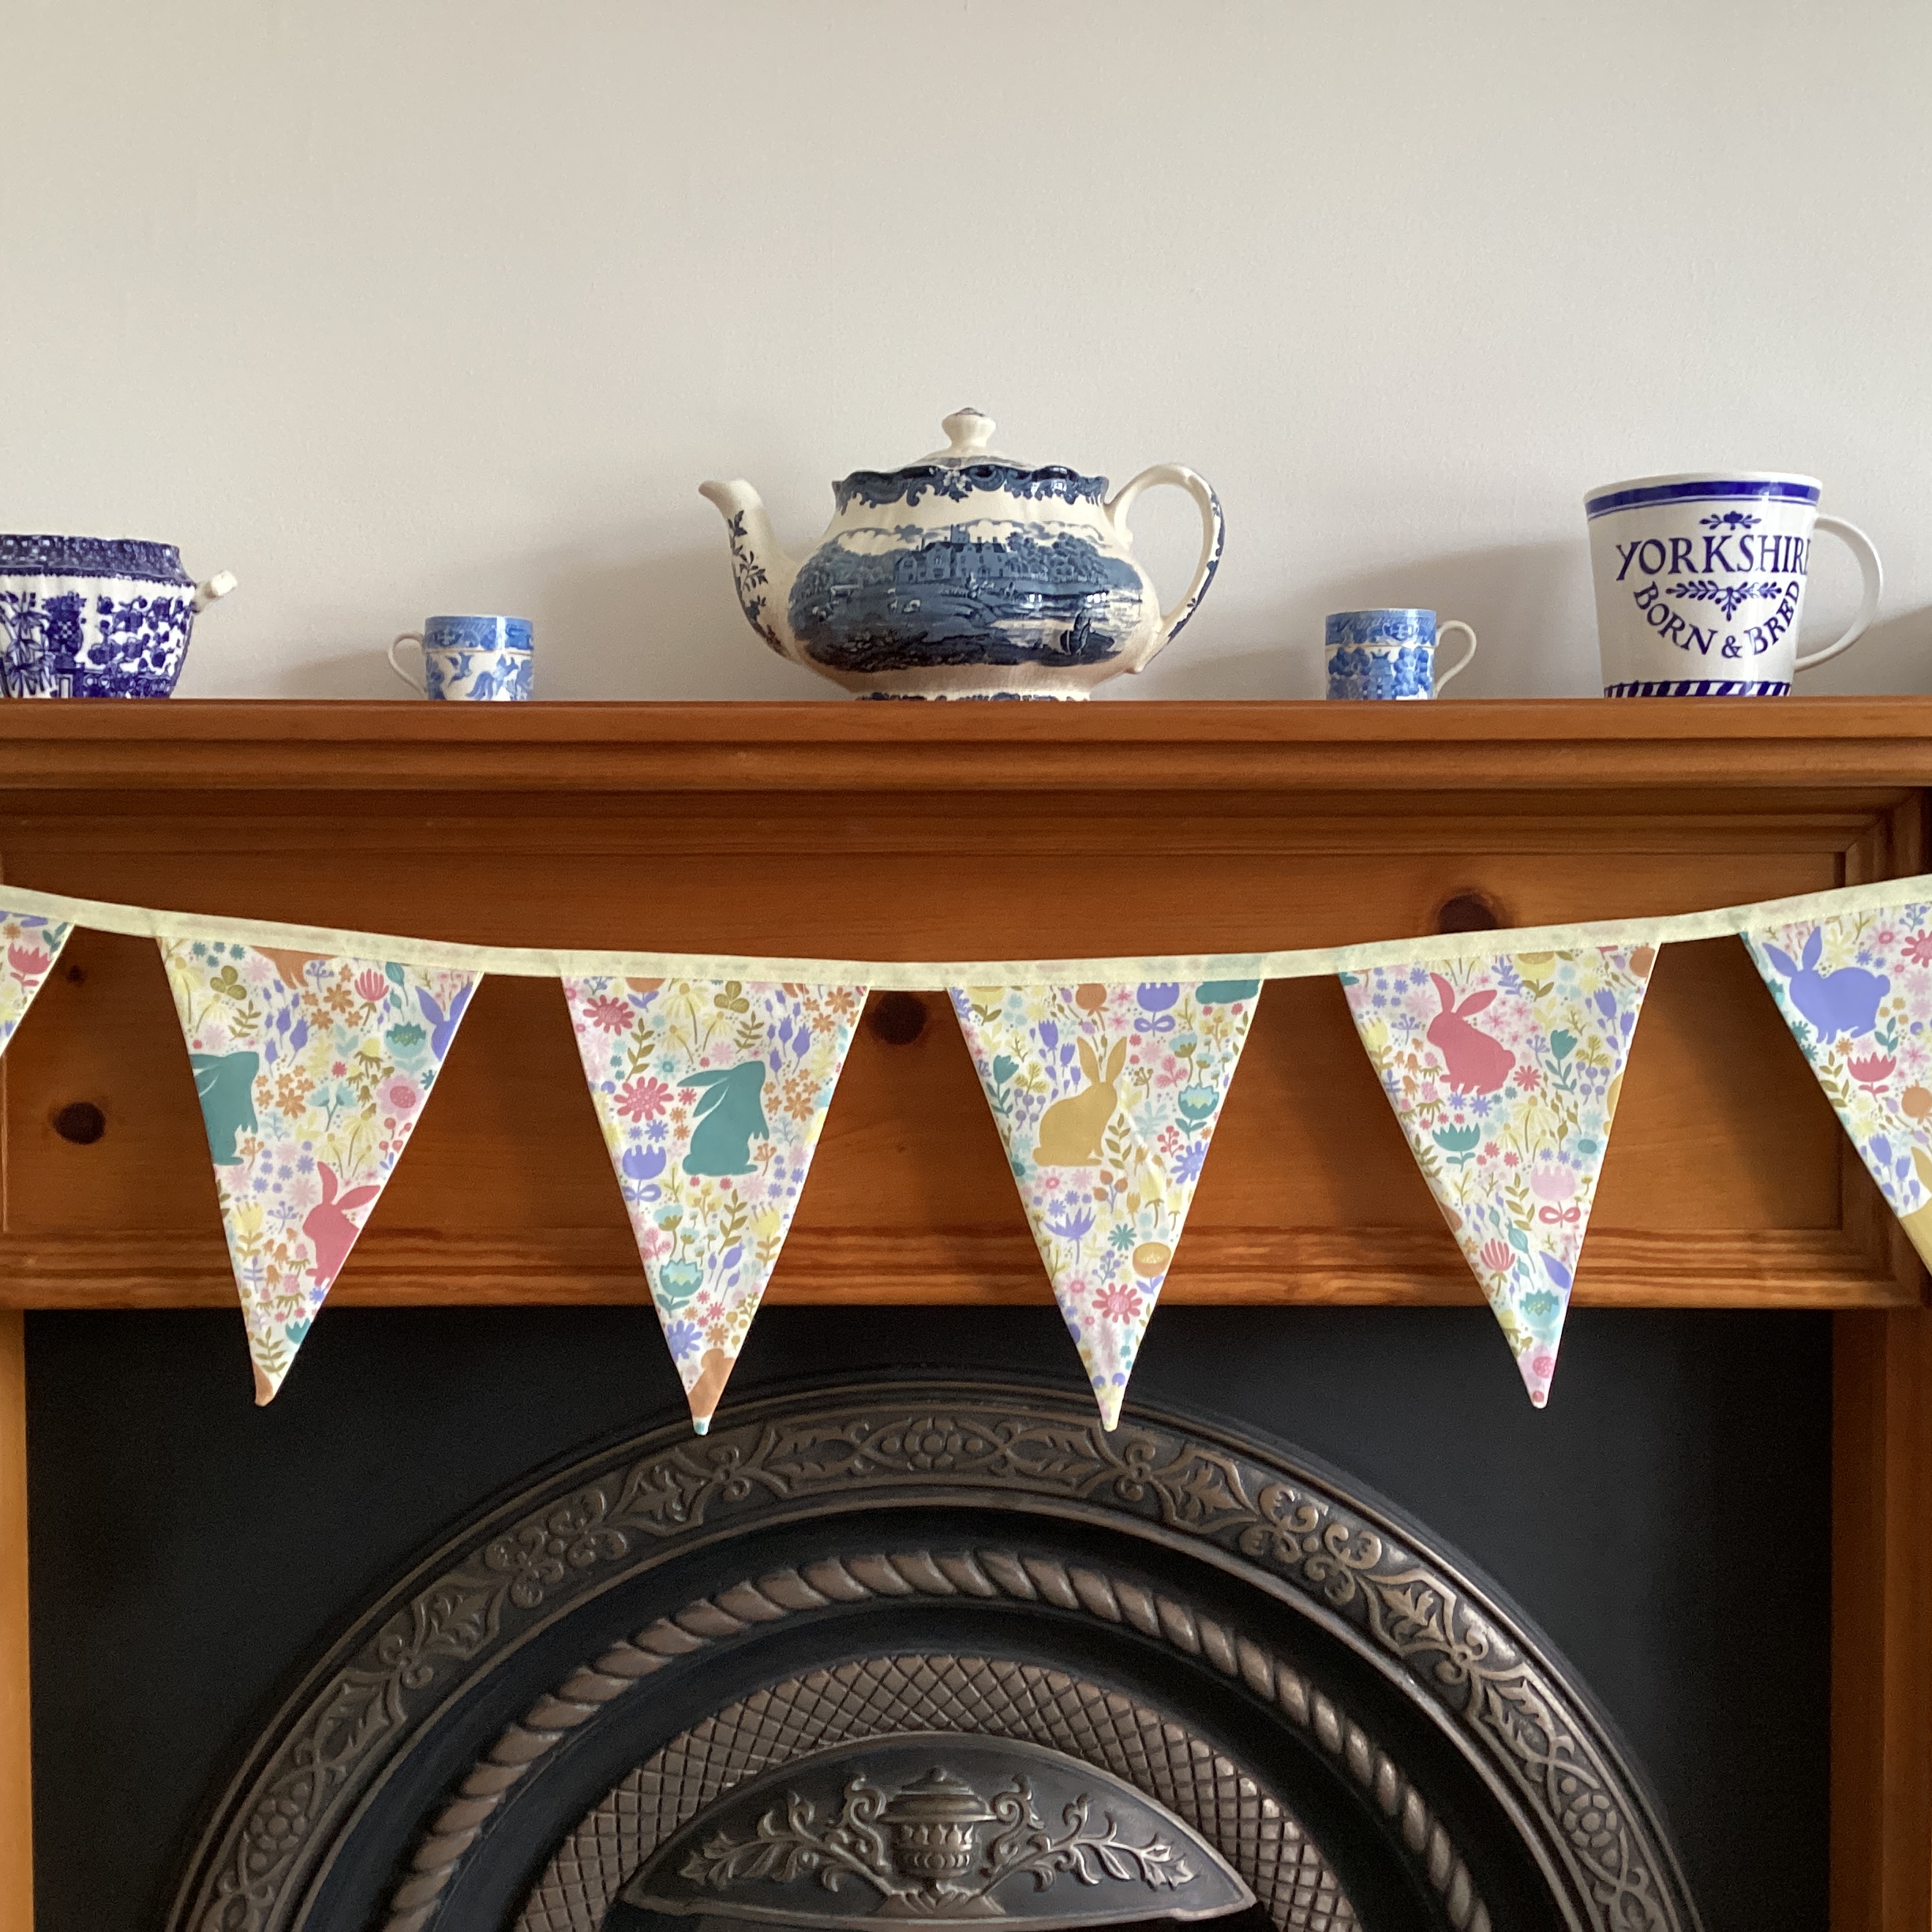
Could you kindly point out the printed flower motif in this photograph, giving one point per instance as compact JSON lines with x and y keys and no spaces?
{"x":1117,"y":1303}
{"x":607,"y":1015}
{"x":373,"y":986}
{"x":1498,"y":1256}
{"x":643,"y":1099}
{"x":1872,"y":1071}
{"x":400,"y":1095}
{"x":29,"y":962}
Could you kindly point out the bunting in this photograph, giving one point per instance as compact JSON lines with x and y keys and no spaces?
{"x":711,"y":1093}
{"x":1107,"y":1097}
{"x":33,"y":944}
{"x":312,"y":1071}
{"x":313,"y":1051}
{"x":1504,"y":1072}
{"x":1856,"y":991}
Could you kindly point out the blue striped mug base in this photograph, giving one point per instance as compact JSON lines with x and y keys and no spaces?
{"x":1701,"y":687}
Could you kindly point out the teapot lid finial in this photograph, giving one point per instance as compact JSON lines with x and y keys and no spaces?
{"x":968,"y":432}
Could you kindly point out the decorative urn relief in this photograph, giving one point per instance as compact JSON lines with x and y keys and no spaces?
{"x":858,"y":1835}
{"x":966,"y":574}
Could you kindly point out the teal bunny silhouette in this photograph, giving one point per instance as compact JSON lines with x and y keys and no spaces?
{"x":730,"y":1117}
{"x":225,"y":1084}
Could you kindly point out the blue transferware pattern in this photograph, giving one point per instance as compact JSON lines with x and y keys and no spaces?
{"x":1386,"y":654}
{"x":96,"y":617}
{"x":488,"y":660}
{"x":965,"y":574}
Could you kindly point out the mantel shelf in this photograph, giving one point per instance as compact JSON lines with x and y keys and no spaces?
{"x":911,"y":831}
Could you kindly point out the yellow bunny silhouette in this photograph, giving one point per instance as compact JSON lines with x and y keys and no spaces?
{"x":1070,"y":1130}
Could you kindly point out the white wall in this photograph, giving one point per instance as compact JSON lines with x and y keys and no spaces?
{"x":393,"y":306}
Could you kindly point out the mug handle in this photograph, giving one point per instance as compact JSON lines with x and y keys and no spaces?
{"x":1209,"y":505}
{"x":1862,"y":547}
{"x":421,"y":689}
{"x":1462,"y":664}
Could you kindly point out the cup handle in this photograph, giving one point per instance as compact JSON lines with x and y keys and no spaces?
{"x":415,"y":684}
{"x":217,"y":587}
{"x":1861,"y":547}
{"x":1462,"y":663}
{"x":1209,"y":506}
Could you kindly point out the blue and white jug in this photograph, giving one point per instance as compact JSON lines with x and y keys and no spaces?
{"x":966,"y":574}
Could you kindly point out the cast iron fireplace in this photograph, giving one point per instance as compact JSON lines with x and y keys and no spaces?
{"x":937,"y":1651}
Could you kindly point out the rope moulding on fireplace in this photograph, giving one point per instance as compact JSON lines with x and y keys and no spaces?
{"x":983,"y":1573}
{"x":1255,"y":1515}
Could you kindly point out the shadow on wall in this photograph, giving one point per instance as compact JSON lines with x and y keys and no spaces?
{"x":1894,"y":655}
{"x":1530,"y":605}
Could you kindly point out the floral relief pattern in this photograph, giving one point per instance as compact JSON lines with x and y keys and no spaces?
{"x":312,"y":1073}
{"x":711,"y":1093}
{"x":1107,"y":1097}
{"x":1856,"y":991}
{"x":33,"y":944}
{"x":1504,"y":1073}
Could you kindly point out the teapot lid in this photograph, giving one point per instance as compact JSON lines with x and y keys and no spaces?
{"x":965,"y":465}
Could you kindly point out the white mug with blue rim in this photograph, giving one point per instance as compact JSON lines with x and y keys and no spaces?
{"x":1389,"y":654}
{"x":1700,"y":581}
{"x":489,"y":658}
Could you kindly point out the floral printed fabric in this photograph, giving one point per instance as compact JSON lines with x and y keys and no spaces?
{"x":33,"y":944}
{"x":1856,"y":991}
{"x":1504,"y":1073}
{"x":1107,"y":1097}
{"x":312,"y":1073}
{"x":711,"y":1093}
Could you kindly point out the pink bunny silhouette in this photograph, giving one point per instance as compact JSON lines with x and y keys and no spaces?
{"x":331,"y":1233}
{"x":1477,"y":1063}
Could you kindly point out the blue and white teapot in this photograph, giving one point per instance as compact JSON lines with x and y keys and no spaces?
{"x":966,"y":574}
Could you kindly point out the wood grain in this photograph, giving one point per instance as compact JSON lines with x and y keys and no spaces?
{"x":1881,"y":1622}
{"x":16,"y":1720}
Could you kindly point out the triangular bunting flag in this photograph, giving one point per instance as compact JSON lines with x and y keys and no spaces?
{"x":1504,"y":1072}
{"x":33,"y":944}
{"x":1107,"y":1097}
{"x":1856,"y":991}
{"x":312,"y":1071}
{"x":711,"y":1093}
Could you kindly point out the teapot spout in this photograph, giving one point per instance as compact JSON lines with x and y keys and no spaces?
{"x":761,"y":573}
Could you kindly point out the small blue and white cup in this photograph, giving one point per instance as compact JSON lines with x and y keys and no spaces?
{"x":1390,"y":653}
{"x":1701,"y":583}
{"x":489,"y":659}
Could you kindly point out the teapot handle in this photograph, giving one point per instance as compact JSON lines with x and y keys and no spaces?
{"x":1209,"y":505}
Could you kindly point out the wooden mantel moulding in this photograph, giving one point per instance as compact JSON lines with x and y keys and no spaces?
{"x":915,"y":831}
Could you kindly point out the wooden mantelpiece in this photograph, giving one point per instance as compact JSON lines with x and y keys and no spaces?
{"x":899,"y":831}
{"x":903,"y":831}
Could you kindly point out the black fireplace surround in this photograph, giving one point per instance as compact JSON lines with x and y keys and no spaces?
{"x":466,"y":1631}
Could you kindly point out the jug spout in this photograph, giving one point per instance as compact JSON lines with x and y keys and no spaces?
{"x":761,"y":573}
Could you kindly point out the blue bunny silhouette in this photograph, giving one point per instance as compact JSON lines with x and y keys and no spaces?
{"x":443,"y":1031}
{"x":730,"y":1117}
{"x":1844,"y":1001}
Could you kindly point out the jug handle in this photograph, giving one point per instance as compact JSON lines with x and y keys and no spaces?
{"x":1872,"y":571}
{"x":1209,"y":505}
